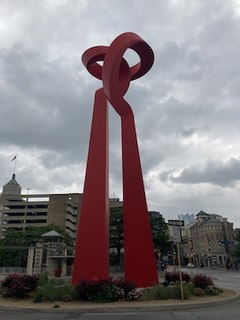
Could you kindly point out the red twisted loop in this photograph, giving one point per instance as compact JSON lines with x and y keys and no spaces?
{"x":115,"y":72}
{"x":90,"y":59}
{"x":116,"y":75}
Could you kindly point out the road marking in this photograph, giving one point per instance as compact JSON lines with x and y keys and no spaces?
{"x":181,"y":315}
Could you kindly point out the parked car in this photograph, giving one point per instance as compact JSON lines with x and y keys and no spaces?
{"x":190,"y":265}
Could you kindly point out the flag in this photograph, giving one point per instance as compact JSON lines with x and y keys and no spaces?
{"x":14,"y":158}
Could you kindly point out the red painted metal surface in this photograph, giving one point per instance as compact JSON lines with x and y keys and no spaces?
{"x":116,"y":74}
{"x":92,"y":246}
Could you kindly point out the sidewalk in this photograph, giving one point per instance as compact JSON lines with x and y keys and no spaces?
{"x":119,"y":307}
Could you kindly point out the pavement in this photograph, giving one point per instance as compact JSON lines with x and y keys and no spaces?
{"x":119,"y":307}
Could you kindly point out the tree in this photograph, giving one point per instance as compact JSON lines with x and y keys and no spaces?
{"x":160,"y":235}
{"x":236,"y":251}
{"x":159,"y":227}
{"x":20,"y":241}
{"x":116,"y":234}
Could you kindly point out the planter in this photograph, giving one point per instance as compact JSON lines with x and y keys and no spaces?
{"x":57,"y":273}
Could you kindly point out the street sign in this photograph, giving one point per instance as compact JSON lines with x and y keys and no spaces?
{"x":177,"y":223}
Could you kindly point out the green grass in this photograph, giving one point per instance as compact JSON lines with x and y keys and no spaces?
{"x":53,"y":290}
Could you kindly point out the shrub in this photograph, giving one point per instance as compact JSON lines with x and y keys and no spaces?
{"x":175,"y":293}
{"x":202,"y":281}
{"x":67,"y":298}
{"x":175,"y":276}
{"x":53,"y":290}
{"x":190,"y":287}
{"x":160,"y":292}
{"x":212,"y":290}
{"x":198,"y":292}
{"x":165,"y":283}
{"x":108,"y":293}
{"x":43,"y":279}
{"x":106,"y":290}
{"x":19,"y":285}
{"x":127,"y":289}
{"x":133,"y":295}
{"x":125,"y":285}
{"x":96,"y":290}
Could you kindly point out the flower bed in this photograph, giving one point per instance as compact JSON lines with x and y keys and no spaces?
{"x":42,"y":289}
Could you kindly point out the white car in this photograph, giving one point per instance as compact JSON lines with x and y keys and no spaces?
{"x":190,"y":265}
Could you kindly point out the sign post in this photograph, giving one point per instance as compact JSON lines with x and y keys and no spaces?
{"x":180,"y":271}
{"x":177,"y":224}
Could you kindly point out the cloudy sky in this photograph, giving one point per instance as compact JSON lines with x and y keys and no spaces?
{"x":187,"y":108}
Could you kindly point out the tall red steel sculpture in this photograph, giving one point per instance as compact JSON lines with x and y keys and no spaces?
{"x":92,"y":247}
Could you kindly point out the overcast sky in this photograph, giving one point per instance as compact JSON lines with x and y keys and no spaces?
{"x":187,"y":107}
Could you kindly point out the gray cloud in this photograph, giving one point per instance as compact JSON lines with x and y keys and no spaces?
{"x":222,"y":173}
{"x":186,"y":107}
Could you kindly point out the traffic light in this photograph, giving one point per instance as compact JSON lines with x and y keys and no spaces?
{"x":209,"y":241}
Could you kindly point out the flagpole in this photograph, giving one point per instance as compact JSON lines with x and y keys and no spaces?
{"x":15,"y":162}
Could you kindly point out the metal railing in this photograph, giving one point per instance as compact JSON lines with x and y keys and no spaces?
{"x":10,"y":270}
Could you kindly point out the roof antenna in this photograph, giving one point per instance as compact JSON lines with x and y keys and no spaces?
{"x":14,"y":166}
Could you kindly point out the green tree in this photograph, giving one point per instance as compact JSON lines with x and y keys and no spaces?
{"x":160,"y":232}
{"x":159,"y":227}
{"x":14,"y":244}
{"x":236,"y":251}
{"x":116,"y":234}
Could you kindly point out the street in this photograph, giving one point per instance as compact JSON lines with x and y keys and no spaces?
{"x":226,"y":311}
{"x":222,"y":278}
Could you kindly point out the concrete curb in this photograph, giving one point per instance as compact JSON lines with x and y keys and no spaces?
{"x":134,"y":307}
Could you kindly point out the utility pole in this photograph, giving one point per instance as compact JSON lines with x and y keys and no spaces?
{"x":177,"y":224}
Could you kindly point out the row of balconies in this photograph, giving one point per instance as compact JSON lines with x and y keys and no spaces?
{"x":22,"y":218}
{"x":24,"y":209}
{"x":71,"y":211}
{"x":72,"y":227}
{"x":22,"y":225}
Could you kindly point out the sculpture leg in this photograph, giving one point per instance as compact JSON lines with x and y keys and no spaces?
{"x":92,"y":245}
{"x":140,"y":266}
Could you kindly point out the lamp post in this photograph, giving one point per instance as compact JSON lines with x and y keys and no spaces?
{"x":26,"y":208}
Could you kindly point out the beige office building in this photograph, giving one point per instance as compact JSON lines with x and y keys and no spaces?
{"x":212,"y":239}
{"x":19,"y":211}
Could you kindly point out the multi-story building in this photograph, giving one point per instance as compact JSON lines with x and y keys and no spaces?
{"x":187,"y":218}
{"x":208,"y":241}
{"x":211,"y":240}
{"x":19,"y":211}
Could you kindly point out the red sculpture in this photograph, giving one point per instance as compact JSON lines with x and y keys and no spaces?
{"x":92,"y":247}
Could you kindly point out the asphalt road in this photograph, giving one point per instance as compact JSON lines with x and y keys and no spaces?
{"x":222,"y":278}
{"x":226,"y":311}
